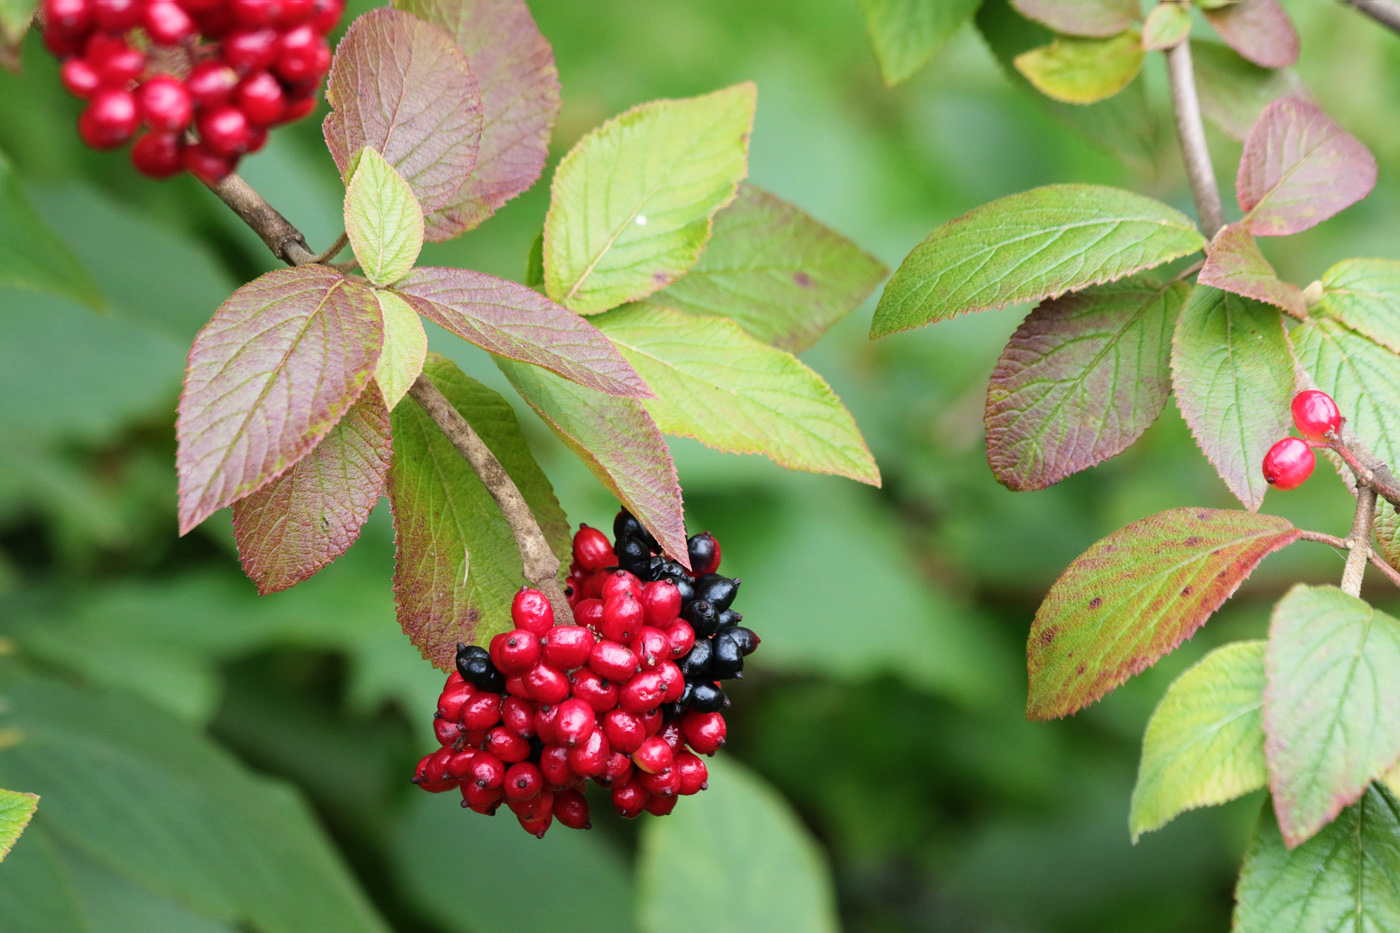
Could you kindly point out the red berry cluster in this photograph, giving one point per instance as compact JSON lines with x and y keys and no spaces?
{"x":627,"y":697}
{"x":205,"y":78}
{"x":1290,"y":462}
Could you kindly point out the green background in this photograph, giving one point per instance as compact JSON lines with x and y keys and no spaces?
{"x":886,"y":706}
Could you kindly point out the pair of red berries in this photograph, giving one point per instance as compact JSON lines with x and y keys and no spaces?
{"x":206,"y":79}
{"x":1290,"y":462}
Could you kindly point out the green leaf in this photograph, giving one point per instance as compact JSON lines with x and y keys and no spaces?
{"x":1205,"y":742}
{"x":1258,"y":29}
{"x":1364,"y":294}
{"x":405,"y":348}
{"x":16,"y":810}
{"x":1166,"y":26}
{"x":382,"y":219}
{"x":619,"y":443}
{"x":401,"y":86}
{"x":1233,"y":372}
{"x":1100,"y":18}
{"x":631,"y":203}
{"x":1235,"y":264}
{"x":311,"y":514}
{"x":31,"y":255}
{"x":173,"y":815}
{"x":271,"y":373}
{"x":1030,"y":246}
{"x":1081,"y":379}
{"x":908,"y":33}
{"x":1361,"y":375}
{"x":784,"y":277}
{"x":1343,"y":879}
{"x":458,"y":566}
{"x":1331,"y":707}
{"x":1083,"y":71}
{"x":1135,"y":596}
{"x":15,"y":18}
{"x":719,"y":385}
{"x":1233,"y":91}
{"x":737,"y":847}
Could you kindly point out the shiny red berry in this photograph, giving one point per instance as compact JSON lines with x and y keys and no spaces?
{"x":261,"y":98}
{"x":624,"y":730}
{"x":1316,"y":414}
{"x":523,"y":780}
{"x":326,"y":15}
{"x":109,"y":120}
{"x":661,"y":603}
{"x":571,"y":809}
{"x":617,"y":582}
{"x":653,"y":755}
{"x":79,"y":77}
{"x":165,"y":103}
{"x":482,"y":710}
{"x":1289,"y":463}
{"x":116,"y":16}
{"x":207,"y":165}
{"x":531,"y":611}
{"x":616,"y":770}
{"x":567,"y":646}
{"x":661,"y":783}
{"x":554,"y":765}
{"x":515,"y":652}
{"x":622,"y":617}
{"x":693,"y":773}
{"x":593,"y":550}
{"x":598,"y":692}
{"x":545,"y":684}
{"x":211,"y":84}
{"x":630,"y":799}
{"x":518,"y":716}
{"x":70,"y":17}
{"x":660,"y":806}
{"x":506,"y":745}
{"x":589,"y":758}
{"x":224,"y":130}
{"x":704,"y":732}
{"x":248,"y":50}
{"x":576,"y":722}
{"x":486,"y":770}
{"x":485,"y":800}
{"x":166,"y":22}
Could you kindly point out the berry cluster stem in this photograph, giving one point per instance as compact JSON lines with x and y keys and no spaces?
{"x":286,"y":241}
{"x":540,"y":565}
{"x":1385,"y":12}
{"x":1369,"y":469}
{"x":1186,"y":105}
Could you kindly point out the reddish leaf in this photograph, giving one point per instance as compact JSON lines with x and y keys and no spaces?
{"x":457,"y":564}
{"x":513,"y":321}
{"x":514,"y":68}
{"x":402,"y":86}
{"x":1331,"y":705}
{"x":1101,"y":18}
{"x":1234,"y":264}
{"x":1233,"y":370}
{"x":1259,"y":30}
{"x":1299,"y":168}
{"x":311,"y":514}
{"x":1080,"y":380}
{"x":619,"y":443}
{"x":1135,"y":596}
{"x":270,"y":374}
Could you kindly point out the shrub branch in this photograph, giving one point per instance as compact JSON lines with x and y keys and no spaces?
{"x":1385,"y":12}
{"x":1187,"y":108}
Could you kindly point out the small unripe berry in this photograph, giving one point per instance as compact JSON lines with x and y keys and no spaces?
{"x":1316,"y":414}
{"x":1289,"y":463}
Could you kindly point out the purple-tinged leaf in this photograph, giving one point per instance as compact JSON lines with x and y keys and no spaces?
{"x":783,"y":276}
{"x":457,"y":565}
{"x":1331,"y":705}
{"x":1343,"y":879}
{"x":619,"y":443}
{"x":1099,"y":18}
{"x":519,"y":323}
{"x":514,"y":69}
{"x":1235,"y":264}
{"x":311,"y":514}
{"x":1364,"y":294}
{"x":1080,"y":380}
{"x":1233,"y":91}
{"x":402,"y":87}
{"x":1030,"y":246}
{"x":270,"y":374}
{"x":1259,"y":30}
{"x":1299,"y":168}
{"x":1135,"y":596}
{"x":1233,"y":371}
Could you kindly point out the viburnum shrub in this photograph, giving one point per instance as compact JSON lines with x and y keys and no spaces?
{"x":663,"y":296}
{"x":1312,"y":712}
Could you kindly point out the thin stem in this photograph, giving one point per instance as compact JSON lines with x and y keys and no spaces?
{"x":1370,"y":470}
{"x":1345,"y":544}
{"x":1193,"y":139}
{"x":285,"y":240}
{"x":1385,"y":12}
{"x":335,"y":248}
{"x":1360,"y":541}
{"x":541,"y":566}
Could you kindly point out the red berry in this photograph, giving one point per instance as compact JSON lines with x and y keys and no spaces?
{"x":617,"y":582}
{"x":211,"y":84}
{"x":571,"y":809}
{"x":630,"y":799}
{"x":515,"y":652}
{"x":302,"y":55}
{"x":432,"y":773}
{"x":481,"y":711}
{"x":538,"y":808}
{"x":506,"y":745}
{"x":79,"y":77}
{"x":1316,"y":414}
{"x":651,"y":645}
{"x":616,"y":770}
{"x":254,"y":12}
{"x":567,"y":646}
{"x":622,"y":617}
{"x":116,"y":16}
{"x":518,"y":716}
{"x":1289,"y":463}
{"x":598,"y":692}
{"x":576,"y":722}
{"x":482,"y":799}
{"x":589,"y":612}
{"x":704,"y":732}
{"x":109,"y":120}
{"x":545,"y":684}
{"x":660,"y":806}
{"x":530,"y":609}
{"x":592,"y":549}
{"x":224,"y":130}
{"x":624,"y":730}
{"x":653,"y":755}
{"x":455,"y":695}
{"x":661,"y":783}
{"x":589,"y":758}
{"x":554,"y":765}
{"x":546,"y":724}
{"x":250,"y":49}
{"x":612,"y":660}
{"x":293,"y":12}
{"x":680,"y":637}
{"x":515,"y":686}
{"x":261,"y":98}
{"x":523,"y":781}
{"x":166,"y":22}
{"x":69,"y":17}
{"x":643,"y":692}
{"x":207,"y":165}
{"x":165,"y":103}
{"x":327,"y":15}
{"x":447,"y":732}
{"x":486,"y":770}
{"x":117,"y":64}
{"x":693,"y":773}
{"x":661,"y":603}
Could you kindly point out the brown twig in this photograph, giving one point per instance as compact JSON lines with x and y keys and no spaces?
{"x":1186,"y":105}
{"x":541,"y":566}
{"x":286,"y":241}
{"x":1360,"y":541}
{"x":1385,"y":12}
{"x":1370,"y":470}
{"x":1344,"y":544}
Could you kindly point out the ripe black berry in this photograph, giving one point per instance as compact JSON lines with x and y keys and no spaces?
{"x":727,"y":660}
{"x":716,"y":590}
{"x":474,"y":664}
{"x":708,"y":698}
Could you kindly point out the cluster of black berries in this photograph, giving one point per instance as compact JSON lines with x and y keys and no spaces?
{"x":206,"y":79}
{"x":626,"y":697}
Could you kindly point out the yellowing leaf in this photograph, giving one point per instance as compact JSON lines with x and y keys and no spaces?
{"x":382,"y":219}
{"x":1083,"y":71}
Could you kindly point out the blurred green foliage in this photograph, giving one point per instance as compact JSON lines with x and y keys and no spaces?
{"x":886,"y":706}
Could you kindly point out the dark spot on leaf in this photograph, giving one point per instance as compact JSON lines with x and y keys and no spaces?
{"x":661,"y":278}
{"x":1080,"y":671}
{"x":473,"y":616}
{"x":1096,"y":602}
{"x":1192,"y":541}
{"x":802,"y":279}
{"x":1047,"y":636}
{"x":1203,"y":515}
{"x":1187,"y":590}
